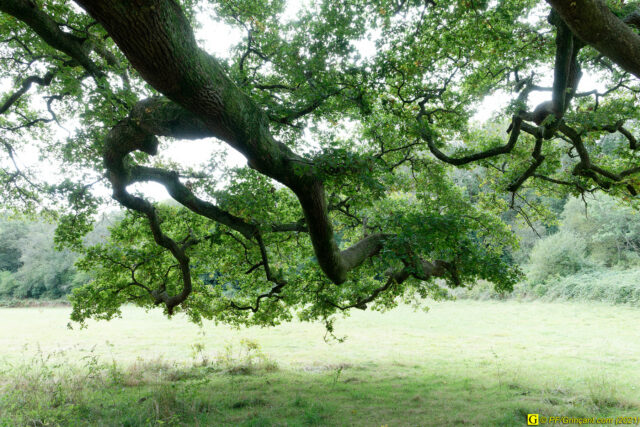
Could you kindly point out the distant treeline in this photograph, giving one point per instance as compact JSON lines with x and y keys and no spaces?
{"x":30,"y":266}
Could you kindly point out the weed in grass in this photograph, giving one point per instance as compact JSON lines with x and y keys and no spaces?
{"x":604,"y":394}
{"x":299,"y":402}
{"x":314,"y":415}
{"x":243,"y":403}
{"x":336,"y":375}
{"x":247,"y":360}
{"x":198,"y":354}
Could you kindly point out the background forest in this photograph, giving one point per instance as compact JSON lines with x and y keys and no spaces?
{"x":32,"y":268}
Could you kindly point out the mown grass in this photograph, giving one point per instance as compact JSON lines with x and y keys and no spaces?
{"x":462,"y":363}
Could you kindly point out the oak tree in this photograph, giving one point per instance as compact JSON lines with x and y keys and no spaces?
{"x":347,"y":198}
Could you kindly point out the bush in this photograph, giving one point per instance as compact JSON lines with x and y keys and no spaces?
{"x":603,"y":285}
{"x":611,"y":230}
{"x":561,"y":254}
{"x":8,"y":284}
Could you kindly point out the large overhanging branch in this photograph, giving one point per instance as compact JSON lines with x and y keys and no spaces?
{"x":593,"y":22}
{"x":590,"y":170}
{"x":48,"y":29}
{"x":159,"y":116}
{"x":159,"y":43}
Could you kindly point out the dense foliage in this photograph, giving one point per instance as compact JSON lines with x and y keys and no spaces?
{"x":348,"y":197}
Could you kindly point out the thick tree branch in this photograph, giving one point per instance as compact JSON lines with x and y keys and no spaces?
{"x":24,"y":87}
{"x":492,"y":152}
{"x":538,"y":158}
{"x":184,"y":196}
{"x":567,"y":74}
{"x":594,"y":23}
{"x":159,"y":43}
{"x":158,"y":116}
{"x":562,"y":67}
{"x":588,"y":169}
{"x":47,"y":28}
{"x":424,"y":270}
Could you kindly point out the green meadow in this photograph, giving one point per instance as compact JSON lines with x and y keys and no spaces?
{"x":460,"y":363}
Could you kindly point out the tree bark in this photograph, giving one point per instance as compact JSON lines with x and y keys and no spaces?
{"x":594,"y":23}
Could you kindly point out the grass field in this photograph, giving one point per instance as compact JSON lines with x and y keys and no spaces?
{"x":462,"y":363}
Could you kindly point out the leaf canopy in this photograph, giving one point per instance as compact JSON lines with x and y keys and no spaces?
{"x":352,"y":116}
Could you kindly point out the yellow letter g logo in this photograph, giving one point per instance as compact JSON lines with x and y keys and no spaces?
{"x":533,"y":420}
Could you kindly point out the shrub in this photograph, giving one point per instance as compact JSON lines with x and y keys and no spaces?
{"x":247,"y":360}
{"x":603,"y":285}
{"x":561,"y":254}
{"x":8,"y":284}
